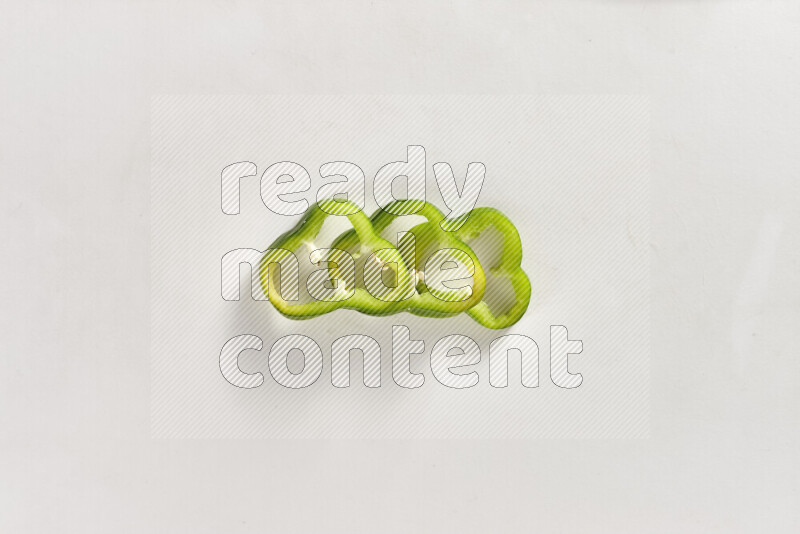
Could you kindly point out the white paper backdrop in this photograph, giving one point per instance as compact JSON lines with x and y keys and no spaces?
{"x":76,"y":445}
{"x":570,"y":172}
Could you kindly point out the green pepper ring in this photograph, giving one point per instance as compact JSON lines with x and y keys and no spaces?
{"x":508,"y":267}
{"x":424,"y":303}
{"x":361,"y":300}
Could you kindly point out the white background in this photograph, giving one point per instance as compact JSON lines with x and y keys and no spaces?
{"x":571,"y":172}
{"x":75,"y":446}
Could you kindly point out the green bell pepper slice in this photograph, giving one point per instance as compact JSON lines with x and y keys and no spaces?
{"x":367,"y":294}
{"x":433,"y":299}
{"x":508,"y":267}
{"x":345,"y":294}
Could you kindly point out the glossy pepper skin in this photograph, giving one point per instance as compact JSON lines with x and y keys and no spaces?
{"x":352,"y":295}
{"x":480,"y":219}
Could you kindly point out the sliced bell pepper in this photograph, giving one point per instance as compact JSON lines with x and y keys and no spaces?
{"x":425,"y":245}
{"x":345,"y":294}
{"x":367,"y":293}
{"x":415,"y":290}
{"x":508,"y":267}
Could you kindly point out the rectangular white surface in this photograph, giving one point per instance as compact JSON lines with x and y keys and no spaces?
{"x":570,"y":172}
{"x":77,"y":451}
